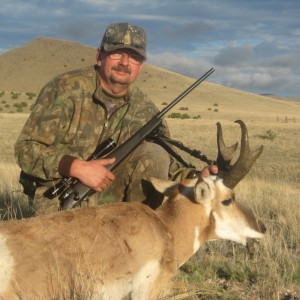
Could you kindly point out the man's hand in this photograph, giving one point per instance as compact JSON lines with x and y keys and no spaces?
{"x":209,"y":170}
{"x":93,"y":173}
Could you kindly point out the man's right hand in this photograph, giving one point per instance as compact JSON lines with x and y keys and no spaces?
{"x":93,"y":173}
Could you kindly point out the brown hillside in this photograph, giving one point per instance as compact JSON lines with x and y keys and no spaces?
{"x":29,"y":67}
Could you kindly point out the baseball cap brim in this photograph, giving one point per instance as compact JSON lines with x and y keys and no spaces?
{"x":110,"y":47}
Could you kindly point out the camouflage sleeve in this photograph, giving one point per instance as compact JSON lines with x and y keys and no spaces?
{"x":37,"y":149}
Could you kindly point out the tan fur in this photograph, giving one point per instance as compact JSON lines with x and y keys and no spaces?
{"x":112,"y":251}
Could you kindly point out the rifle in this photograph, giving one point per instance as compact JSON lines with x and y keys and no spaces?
{"x":76,"y":192}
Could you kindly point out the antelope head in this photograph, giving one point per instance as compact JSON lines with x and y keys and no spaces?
{"x":213,"y":208}
{"x":232,"y":174}
{"x":234,"y":221}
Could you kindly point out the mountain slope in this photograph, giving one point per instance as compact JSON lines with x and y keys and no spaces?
{"x":29,"y":67}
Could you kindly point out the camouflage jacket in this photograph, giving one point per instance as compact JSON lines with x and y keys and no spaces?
{"x":69,"y":119}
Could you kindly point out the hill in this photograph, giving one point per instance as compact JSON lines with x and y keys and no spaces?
{"x":27,"y":68}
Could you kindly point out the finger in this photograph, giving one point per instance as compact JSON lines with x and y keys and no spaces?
{"x":100,"y":188}
{"x":107,"y":161}
{"x":110,"y":176}
{"x":205,"y":172}
{"x":104,"y":184}
{"x":213,"y":169}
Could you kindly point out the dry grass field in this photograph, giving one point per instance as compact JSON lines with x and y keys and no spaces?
{"x":220,"y":270}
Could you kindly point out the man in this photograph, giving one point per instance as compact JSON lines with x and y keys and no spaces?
{"x":78,"y":110}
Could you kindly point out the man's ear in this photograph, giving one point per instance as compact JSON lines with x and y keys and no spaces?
{"x":141,"y":67}
{"x":98,"y":57}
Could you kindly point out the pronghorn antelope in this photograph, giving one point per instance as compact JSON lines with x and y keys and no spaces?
{"x":126,"y":250}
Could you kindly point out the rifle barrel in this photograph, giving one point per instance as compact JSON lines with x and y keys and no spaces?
{"x":184,"y":93}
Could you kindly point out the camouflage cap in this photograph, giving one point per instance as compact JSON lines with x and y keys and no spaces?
{"x":124,"y":35}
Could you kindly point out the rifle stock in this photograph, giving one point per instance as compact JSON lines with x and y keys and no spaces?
{"x":79,"y":192}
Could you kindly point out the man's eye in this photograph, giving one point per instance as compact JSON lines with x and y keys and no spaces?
{"x":136,"y":57}
{"x":227,"y":202}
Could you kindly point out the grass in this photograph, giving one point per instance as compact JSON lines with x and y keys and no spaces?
{"x":220,"y":270}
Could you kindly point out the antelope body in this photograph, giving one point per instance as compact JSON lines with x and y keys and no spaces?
{"x":119,"y":250}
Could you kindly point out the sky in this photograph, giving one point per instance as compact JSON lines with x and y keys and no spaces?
{"x":254,"y":45}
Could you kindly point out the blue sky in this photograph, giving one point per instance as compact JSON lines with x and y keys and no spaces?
{"x":254,"y":45}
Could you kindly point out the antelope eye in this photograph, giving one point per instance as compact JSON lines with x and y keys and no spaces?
{"x":227,"y":202}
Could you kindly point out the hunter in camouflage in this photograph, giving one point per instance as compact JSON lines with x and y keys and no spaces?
{"x":78,"y":110}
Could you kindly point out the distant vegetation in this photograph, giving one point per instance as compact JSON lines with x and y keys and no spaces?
{"x":15,"y":95}
{"x":182,"y":116}
{"x":268,"y":135}
{"x":30,"y":95}
{"x":24,"y":104}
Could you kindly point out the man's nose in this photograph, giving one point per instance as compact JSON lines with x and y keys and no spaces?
{"x":124,"y":59}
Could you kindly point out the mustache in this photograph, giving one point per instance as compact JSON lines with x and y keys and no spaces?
{"x":121,"y":69}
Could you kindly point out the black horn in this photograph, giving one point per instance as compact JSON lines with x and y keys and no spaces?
{"x":233,"y":174}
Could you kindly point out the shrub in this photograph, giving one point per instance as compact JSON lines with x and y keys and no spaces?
{"x":164,"y":103}
{"x":20,"y":105}
{"x":269,"y":135}
{"x":183,"y":108}
{"x":15,"y":96}
{"x":196,"y":117}
{"x":174,"y":115}
{"x":185,"y":116}
{"x":30,"y":95}
{"x":179,"y":116}
{"x":2,"y":93}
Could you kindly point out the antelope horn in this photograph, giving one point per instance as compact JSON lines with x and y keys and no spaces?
{"x":233,"y":174}
{"x":225,"y":153}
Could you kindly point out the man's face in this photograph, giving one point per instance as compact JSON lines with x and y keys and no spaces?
{"x":119,"y":67}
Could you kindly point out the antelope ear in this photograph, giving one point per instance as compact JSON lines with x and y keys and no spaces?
{"x":202,"y":193}
{"x":166,"y":187}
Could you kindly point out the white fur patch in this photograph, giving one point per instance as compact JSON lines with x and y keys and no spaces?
{"x":6,"y":264}
{"x":235,"y":230}
{"x":210,"y":178}
{"x":197,"y":242}
{"x":138,"y":285}
{"x":220,"y":185}
{"x":211,"y":182}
